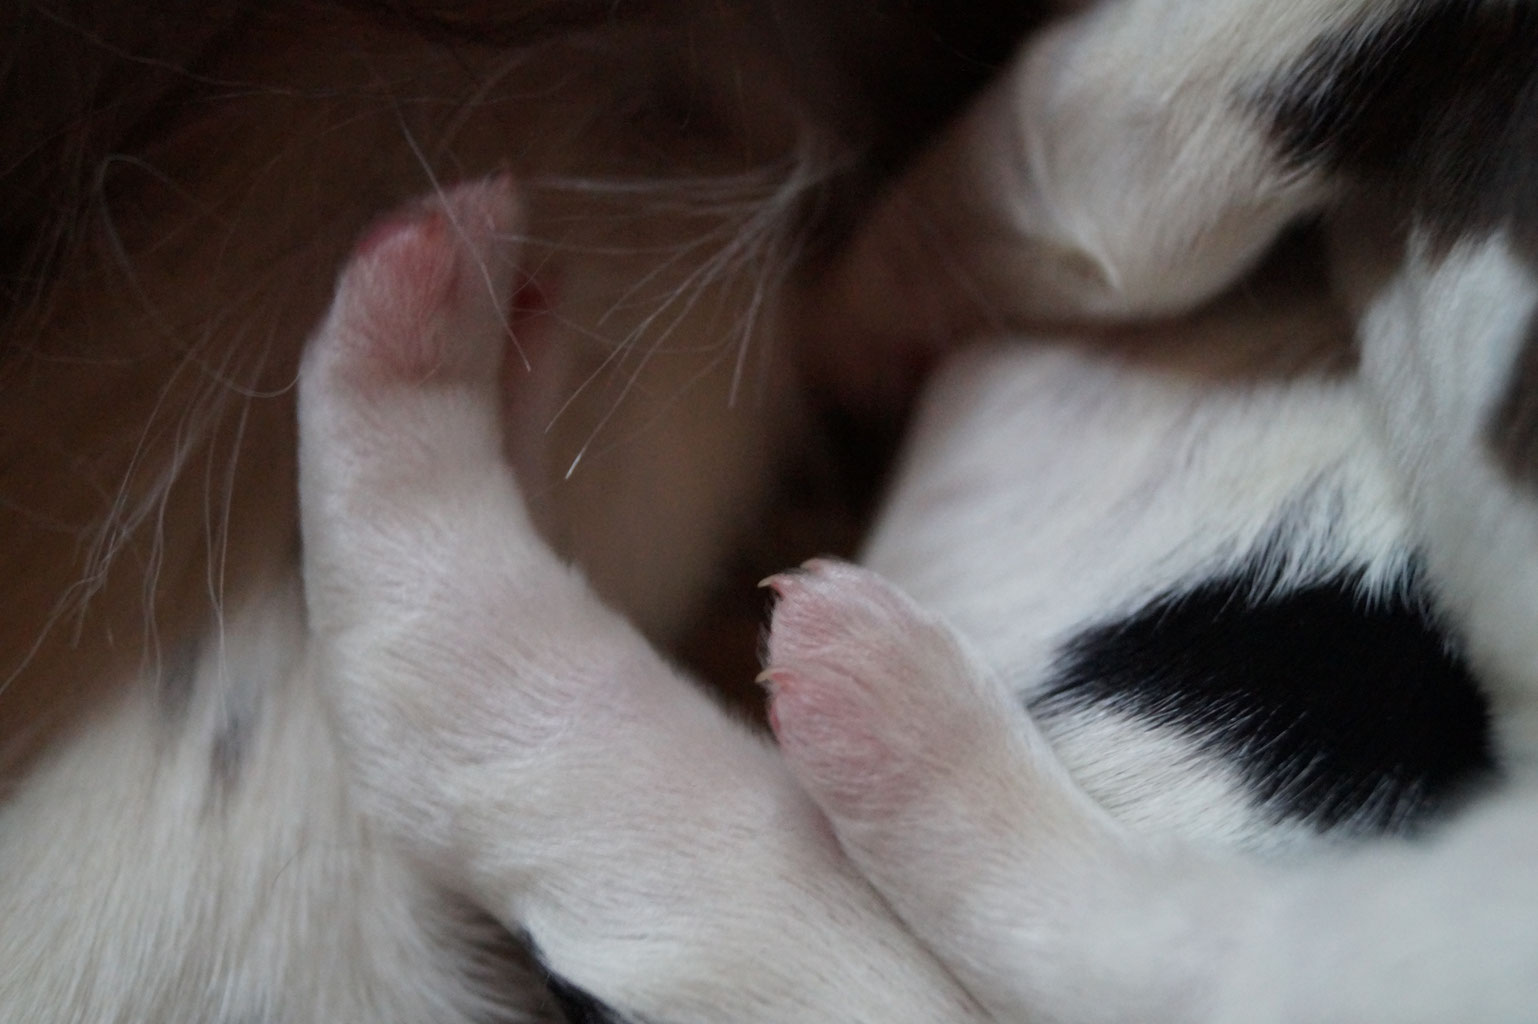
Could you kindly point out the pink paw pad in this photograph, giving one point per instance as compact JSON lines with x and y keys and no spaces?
{"x":422,"y":277}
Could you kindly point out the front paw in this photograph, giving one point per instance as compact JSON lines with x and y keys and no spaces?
{"x":874,"y":701}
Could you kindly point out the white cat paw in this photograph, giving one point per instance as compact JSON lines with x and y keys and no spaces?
{"x":873,"y":699}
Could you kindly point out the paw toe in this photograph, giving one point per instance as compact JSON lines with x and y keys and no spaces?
{"x":849,"y":664}
{"x":428,"y":288}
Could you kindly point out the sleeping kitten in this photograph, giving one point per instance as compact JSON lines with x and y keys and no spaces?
{"x":1149,"y":584}
{"x":1158,"y":163}
{"x":1074,"y":865}
{"x":181,"y":836}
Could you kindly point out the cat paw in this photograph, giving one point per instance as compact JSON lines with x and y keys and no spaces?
{"x":403,"y":379}
{"x":426,"y":295}
{"x":873,"y":700}
{"x":406,"y":451}
{"x":939,"y":786}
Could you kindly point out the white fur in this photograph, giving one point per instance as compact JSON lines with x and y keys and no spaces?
{"x":1022,"y":532}
{"x":1045,"y":905}
{"x":1112,"y":171}
{"x":1073,"y":487}
{"x":517,"y":739}
{"x":1050,"y":909}
{"x":472,"y":725}
{"x":1440,"y":341}
{"x":141,"y":888}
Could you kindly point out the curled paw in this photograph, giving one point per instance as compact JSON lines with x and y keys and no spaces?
{"x":873,"y":699}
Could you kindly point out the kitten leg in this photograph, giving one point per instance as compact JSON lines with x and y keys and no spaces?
{"x":517,"y":738}
{"x":951,"y":801}
{"x":1132,"y":160}
{"x":1047,"y":910}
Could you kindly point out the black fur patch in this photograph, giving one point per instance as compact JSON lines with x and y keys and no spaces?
{"x":576,"y":1005}
{"x":1438,"y":103}
{"x":1436,"y":109}
{"x":1336,"y":708}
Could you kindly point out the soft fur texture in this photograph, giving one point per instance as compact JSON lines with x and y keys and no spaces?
{"x":182,"y":840}
{"x":998,"y":848}
{"x":313,"y":814}
{"x":658,"y":845}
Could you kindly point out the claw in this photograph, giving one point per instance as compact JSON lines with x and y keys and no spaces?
{"x":779,"y":582}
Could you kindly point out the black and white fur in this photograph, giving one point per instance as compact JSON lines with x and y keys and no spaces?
{"x":1141,"y":854}
{"x":557,"y":775}
{"x":1072,"y":866}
